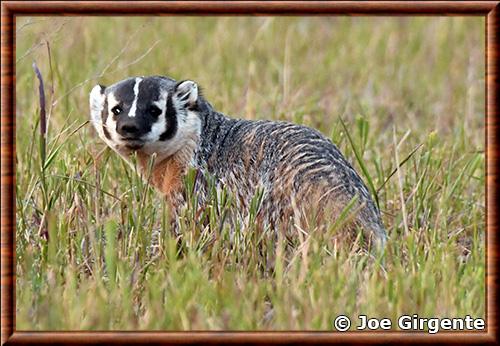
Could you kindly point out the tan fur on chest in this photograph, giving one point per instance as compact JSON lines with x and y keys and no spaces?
{"x":166,"y":176}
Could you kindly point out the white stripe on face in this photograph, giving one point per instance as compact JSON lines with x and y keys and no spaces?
{"x":133,"y":109}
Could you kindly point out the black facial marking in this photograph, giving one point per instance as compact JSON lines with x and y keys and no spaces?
{"x":148,"y":91}
{"x":171,"y":121}
{"x":124,"y":91}
{"x":154,"y":111}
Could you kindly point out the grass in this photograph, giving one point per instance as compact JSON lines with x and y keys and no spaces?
{"x":390,"y":92}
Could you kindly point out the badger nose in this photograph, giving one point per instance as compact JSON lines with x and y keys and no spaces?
{"x":128,"y":129}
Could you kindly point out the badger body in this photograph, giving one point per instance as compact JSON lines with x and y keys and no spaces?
{"x":298,"y":170}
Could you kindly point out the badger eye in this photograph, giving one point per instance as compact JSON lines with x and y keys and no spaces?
{"x":154,"y":111}
{"x":116,"y":110}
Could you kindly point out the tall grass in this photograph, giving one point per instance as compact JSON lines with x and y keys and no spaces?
{"x":403,"y":98}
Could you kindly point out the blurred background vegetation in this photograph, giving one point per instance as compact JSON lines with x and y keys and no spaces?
{"x":407,"y":88}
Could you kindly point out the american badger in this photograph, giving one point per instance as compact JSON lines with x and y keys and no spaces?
{"x":297,"y":169}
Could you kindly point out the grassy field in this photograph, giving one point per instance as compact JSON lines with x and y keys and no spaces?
{"x":410,"y":92}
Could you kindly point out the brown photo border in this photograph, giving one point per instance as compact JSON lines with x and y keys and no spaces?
{"x":11,"y":9}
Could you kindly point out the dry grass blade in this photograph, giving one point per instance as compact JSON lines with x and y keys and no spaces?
{"x":400,"y":165}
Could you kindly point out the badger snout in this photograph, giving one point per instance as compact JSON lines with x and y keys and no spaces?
{"x":130,"y":129}
{"x":131,"y":132}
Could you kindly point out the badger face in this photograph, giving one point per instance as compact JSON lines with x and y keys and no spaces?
{"x":153,"y":115}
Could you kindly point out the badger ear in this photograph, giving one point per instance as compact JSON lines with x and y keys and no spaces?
{"x":97,"y":100}
{"x":97,"y":97}
{"x":186,"y":93}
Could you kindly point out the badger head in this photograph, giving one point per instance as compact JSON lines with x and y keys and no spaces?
{"x":153,"y":115}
